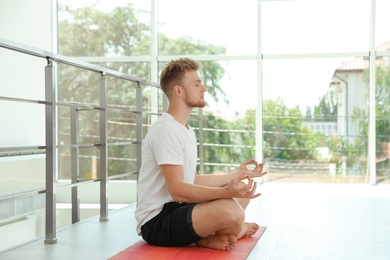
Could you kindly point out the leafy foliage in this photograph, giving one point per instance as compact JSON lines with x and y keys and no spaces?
{"x":88,"y":32}
{"x":382,"y":119}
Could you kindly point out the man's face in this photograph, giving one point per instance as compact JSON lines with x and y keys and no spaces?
{"x":193,"y":89}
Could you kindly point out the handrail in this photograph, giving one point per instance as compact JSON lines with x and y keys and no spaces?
{"x":15,"y":46}
{"x":51,"y":146}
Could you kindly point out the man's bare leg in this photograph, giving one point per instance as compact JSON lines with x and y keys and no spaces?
{"x":243,"y":202}
{"x":219,"y":222}
{"x":248,"y":229}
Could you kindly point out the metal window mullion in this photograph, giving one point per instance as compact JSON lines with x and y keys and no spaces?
{"x":103,"y":151}
{"x":259,"y":108}
{"x":74,"y":164}
{"x":139,"y":119}
{"x":51,"y":154}
{"x":139,"y":134}
{"x":372,"y":89}
{"x":154,"y":104}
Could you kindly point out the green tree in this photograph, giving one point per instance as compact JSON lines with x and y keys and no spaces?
{"x":382,"y":120}
{"x":244,"y":136}
{"x":282,"y":126}
{"x":325,"y":111}
{"x":85,"y":32}
{"x":211,"y":72}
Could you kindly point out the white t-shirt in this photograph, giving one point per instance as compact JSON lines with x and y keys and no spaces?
{"x":167,"y":142}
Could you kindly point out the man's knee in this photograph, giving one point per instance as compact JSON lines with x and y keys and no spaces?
{"x":232,"y":212}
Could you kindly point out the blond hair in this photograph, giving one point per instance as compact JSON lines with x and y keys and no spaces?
{"x":174,"y":71}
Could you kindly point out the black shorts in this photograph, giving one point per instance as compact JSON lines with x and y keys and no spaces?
{"x":172,"y":226}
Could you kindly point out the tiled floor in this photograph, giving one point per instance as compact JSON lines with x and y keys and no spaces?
{"x":324,"y":221}
{"x":304,"y":221}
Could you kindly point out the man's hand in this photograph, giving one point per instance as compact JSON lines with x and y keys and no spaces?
{"x":257,"y":170}
{"x":236,"y":188}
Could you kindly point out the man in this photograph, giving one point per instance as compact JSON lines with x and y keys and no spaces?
{"x":177,"y":207}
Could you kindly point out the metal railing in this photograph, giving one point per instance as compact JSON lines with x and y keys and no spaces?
{"x":51,"y":147}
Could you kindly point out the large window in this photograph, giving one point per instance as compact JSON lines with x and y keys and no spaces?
{"x":311,"y":76}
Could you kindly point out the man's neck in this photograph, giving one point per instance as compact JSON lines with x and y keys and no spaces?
{"x":180,"y":115}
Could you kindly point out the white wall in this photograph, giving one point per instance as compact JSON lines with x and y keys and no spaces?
{"x":33,"y":23}
{"x":27,"y":22}
{"x":22,"y":76}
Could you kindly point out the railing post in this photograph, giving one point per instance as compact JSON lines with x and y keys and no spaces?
{"x":74,"y":163}
{"x":51,"y":154}
{"x":139,"y":121}
{"x":103,"y":150}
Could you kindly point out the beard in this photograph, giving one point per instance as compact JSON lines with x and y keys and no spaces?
{"x":198,"y":103}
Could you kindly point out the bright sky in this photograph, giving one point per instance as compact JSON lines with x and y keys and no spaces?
{"x":288,"y":27}
{"x":305,"y":26}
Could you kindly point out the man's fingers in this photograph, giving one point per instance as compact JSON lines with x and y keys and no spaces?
{"x":252,"y":189}
{"x":256,"y":195}
{"x":251,"y":185}
{"x":245,"y":190}
{"x":245,"y":164}
{"x":242,"y":177}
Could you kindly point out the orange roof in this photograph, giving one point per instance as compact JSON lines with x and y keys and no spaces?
{"x":361,"y":63}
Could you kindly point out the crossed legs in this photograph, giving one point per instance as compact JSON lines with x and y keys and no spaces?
{"x":221,"y":223}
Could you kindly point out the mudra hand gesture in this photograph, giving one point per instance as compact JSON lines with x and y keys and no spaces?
{"x":257,"y":171}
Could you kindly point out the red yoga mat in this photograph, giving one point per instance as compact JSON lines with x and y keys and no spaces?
{"x":141,"y":250}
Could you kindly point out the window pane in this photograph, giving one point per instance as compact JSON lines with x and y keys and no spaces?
{"x":304,"y":100}
{"x":315,"y":26}
{"x":239,"y":88}
{"x":221,"y":27}
{"x":382,"y":28}
{"x":108,"y":28}
{"x":298,"y":81}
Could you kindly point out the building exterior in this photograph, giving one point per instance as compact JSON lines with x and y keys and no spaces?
{"x":352,"y":89}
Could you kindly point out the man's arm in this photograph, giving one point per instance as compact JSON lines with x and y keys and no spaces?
{"x":214,"y":180}
{"x":185,"y":192}
{"x":218,"y":180}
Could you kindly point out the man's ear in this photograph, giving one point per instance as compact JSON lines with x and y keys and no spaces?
{"x":177,"y":90}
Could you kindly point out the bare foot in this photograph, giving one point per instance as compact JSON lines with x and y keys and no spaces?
{"x":248,"y":230}
{"x":219,"y":242}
